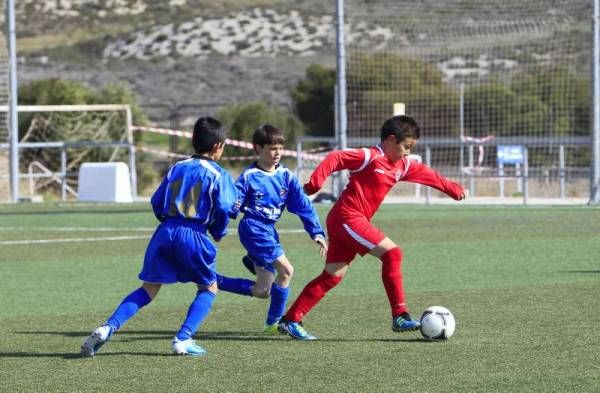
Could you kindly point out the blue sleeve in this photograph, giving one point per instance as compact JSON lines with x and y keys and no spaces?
{"x":158,"y":200}
{"x":224,"y":196}
{"x":241,"y":186}
{"x":299,"y":204}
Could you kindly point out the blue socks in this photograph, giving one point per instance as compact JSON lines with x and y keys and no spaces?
{"x":279,"y":297}
{"x":241,"y":286}
{"x":128,"y":308}
{"x":197,"y":312}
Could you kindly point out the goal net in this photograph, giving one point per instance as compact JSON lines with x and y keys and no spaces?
{"x":55,"y":140}
{"x":496,"y":86}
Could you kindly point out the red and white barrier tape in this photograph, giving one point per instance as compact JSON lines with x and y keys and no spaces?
{"x":231,"y":142}
{"x":183,"y":156}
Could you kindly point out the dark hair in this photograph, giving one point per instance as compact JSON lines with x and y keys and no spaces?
{"x":208,"y":131}
{"x":268,"y":135}
{"x":401,"y":127}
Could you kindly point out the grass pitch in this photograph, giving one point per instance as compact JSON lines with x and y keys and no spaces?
{"x":523,"y":283}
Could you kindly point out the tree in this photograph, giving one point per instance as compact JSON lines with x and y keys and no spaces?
{"x":241,"y":121}
{"x":314,"y":100}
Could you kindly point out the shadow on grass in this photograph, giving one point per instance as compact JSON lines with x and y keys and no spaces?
{"x":76,"y":355}
{"x":139,"y":335}
{"x":584,"y":271}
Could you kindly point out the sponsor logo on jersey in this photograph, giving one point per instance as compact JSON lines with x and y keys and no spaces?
{"x":378,"y":170}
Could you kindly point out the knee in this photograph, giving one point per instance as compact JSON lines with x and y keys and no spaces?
{"x":392,"y":256}
{"x":286,"y":273}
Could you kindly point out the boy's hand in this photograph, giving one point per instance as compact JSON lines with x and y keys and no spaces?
{"x":322,"y":245}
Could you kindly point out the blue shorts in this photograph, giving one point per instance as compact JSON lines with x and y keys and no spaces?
{"x":261,"y":240}
{"x":180,"y":251}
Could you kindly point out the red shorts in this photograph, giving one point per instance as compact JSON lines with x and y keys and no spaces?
{"x":350,"y":235}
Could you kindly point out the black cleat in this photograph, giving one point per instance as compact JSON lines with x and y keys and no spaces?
{"x":249,"y":264}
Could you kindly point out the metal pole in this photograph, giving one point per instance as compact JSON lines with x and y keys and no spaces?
{"x":63,"y":173}
{"x":525,"y":175}
{"x":428,"y":163}
{"x":131,"y":146}
{"x":561,"y":170}
{"x":595,"y":179}
{"x":472,"y":166}
{"x":341,"y":115}
{"x":462,"y":129}
{"x":14,"y":124}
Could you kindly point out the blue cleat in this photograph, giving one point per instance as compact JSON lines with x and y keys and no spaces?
{"x":404,"y":323}
{"x":187,"y":347}
{"x":96,"y":340}
{"x":296,"y":330}
{"x":249,"y":264}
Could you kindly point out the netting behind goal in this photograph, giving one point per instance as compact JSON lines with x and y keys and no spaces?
{"x":55,"y":140}
{"x":478,"y":75}
{"x":4,"y":89}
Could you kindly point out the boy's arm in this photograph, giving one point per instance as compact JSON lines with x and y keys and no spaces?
{"x":158,"y":200}
{"x":422,"y":174}
{"x":241,"y":187}
{"x":335,"y":161}
{"x":299,"y":204}
{"x":224,"y":195}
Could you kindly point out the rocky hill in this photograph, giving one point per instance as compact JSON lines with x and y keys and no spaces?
{"x":206,"y":54}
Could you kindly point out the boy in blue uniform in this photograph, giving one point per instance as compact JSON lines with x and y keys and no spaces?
{"x":265,"y":188}
{"x":194,"y":198}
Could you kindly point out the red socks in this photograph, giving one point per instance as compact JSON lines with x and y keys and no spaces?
{"x":312,"y":294}
{"x":391,"y":275}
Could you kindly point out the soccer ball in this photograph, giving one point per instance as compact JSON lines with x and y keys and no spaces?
{"x":437,"y":323}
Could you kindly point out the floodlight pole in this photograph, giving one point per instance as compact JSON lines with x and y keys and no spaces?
{"x":14,"y":124}
{"x":340,"y":112}
{"x":595,"y":178}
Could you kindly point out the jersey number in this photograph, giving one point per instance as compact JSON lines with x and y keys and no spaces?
{"x":187,"y":206}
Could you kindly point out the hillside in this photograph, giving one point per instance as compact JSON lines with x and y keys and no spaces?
{"x":206,"y":54}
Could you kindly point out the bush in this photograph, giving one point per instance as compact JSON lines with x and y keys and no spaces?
{"x":241,"y":121}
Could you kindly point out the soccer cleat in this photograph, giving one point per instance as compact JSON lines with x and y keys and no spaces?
{"x":249,"y":264}
{"x":404,"y":323}
{"x":273,"y":329}
{"x":296,"y":330}
{"x":97,"y":339}
{"x":187,"y":347}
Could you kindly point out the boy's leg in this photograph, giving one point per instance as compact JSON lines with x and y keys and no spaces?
{"x":241,"y":286}
{"x":183,"y":344}
{"x":310,"y":296}
{"x":279,"y":293}
{"x":130,"y":305}
{"x":391,"y":275}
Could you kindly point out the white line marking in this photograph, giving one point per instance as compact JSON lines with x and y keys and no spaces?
{"x":99,"y":239}
{"x":88,"y":239}
{"x":80,"y":229}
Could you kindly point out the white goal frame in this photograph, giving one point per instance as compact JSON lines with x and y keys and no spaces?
{"x":63,"y":145}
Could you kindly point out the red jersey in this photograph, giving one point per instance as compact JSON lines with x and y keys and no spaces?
{"x":372,"y":176}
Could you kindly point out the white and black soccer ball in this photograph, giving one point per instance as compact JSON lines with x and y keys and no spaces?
{"x":437,"y":323}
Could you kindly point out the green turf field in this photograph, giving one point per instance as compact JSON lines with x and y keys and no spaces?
{"x":523,"y":283}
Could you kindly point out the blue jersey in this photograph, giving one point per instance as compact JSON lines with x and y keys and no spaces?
{"x":196,"y":189}
{"x":265,"y":195}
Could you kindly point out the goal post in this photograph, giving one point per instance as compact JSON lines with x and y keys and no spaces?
{"x":83,"y":128}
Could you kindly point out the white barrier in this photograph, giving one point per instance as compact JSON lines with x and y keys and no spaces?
{"x":104,"y":182}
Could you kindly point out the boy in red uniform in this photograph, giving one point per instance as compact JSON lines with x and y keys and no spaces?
{"x":374,"y":171}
